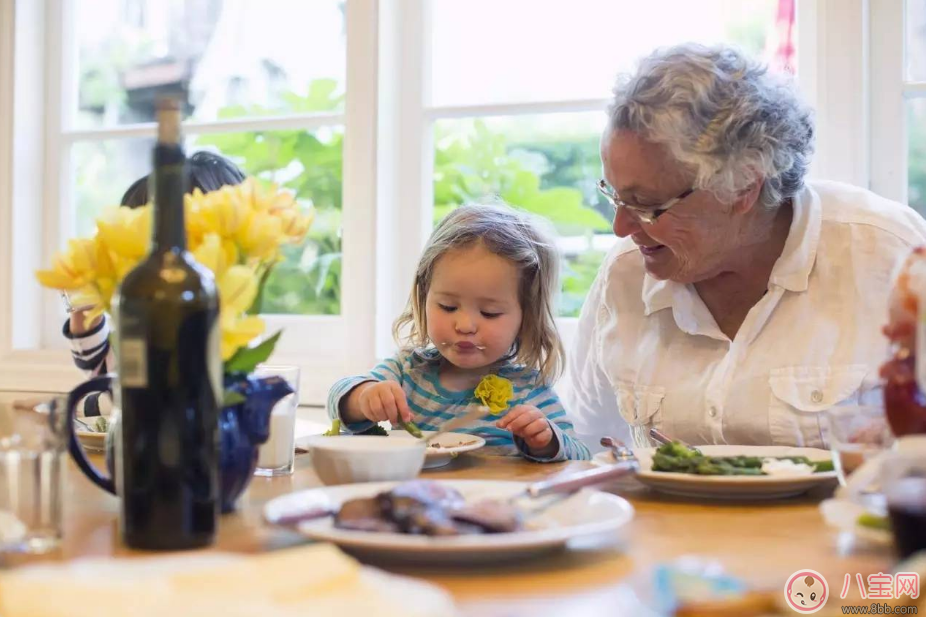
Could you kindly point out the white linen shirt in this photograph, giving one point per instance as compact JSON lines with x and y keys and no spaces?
{"x":649,"y":353}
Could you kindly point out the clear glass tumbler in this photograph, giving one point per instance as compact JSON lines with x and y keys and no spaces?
{"x":856,"y":434}
{"x":32,"y":455}
{"x":276,"y":457}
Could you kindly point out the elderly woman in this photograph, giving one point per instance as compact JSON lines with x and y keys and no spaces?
{"x":741,"y":300}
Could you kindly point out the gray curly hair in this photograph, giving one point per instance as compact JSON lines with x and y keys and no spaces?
{"x":723,"y":116}
{"x":521,"y":239}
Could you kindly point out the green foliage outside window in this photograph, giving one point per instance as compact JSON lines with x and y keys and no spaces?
{"x":543,"y":178}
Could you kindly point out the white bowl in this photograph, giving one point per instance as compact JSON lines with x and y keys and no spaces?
{"x":346,"y":459}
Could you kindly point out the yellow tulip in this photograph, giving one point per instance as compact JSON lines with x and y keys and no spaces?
{"x":73,"y":268}
{"x":126,"y":231}
{"x":238,"y":288}
{"x":237,"y":332}
{"x":261,"y":236}
{"x":236,"y":232}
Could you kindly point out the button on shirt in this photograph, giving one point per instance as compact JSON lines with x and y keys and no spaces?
{"x":650,"y":354}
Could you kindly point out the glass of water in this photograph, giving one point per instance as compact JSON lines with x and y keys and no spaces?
{"x":856,"y":434}
{"x":32,"y":451}
{"x":277,"y":456}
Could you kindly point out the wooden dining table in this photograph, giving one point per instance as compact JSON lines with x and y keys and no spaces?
{"x":761,"y":543}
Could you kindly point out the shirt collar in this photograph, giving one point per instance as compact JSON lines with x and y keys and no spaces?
{"x":791,"y":271}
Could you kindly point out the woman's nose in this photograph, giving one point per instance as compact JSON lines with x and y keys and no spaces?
{"x":625,"y":223}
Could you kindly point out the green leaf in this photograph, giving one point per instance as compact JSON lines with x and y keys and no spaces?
{"x":261,"y":286}
{"x":230,"y":397}
{"x":246,"y":359}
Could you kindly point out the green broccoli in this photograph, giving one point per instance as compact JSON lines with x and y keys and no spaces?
{"x":334,"y":430}
{"x":376,"y":429}
{"x":873,"y":521}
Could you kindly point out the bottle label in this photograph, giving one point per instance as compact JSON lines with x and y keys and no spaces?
{"x":133,"y":363}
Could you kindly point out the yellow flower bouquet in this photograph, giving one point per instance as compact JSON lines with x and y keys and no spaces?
{"x":236,"y":232}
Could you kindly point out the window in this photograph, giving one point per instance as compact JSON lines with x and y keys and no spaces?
{"x":518,"y":90}
{"x":266,"y":83}
{"x":898,"y":101}
{"x":266,"y":92}
{"x":915,"y":90}
{"x":385,"y":114}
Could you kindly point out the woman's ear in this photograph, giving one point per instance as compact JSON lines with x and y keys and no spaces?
{"x":748,"y":199}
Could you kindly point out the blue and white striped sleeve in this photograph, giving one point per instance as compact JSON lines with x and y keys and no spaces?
{"x":547,"y":401}
{"x":91,"y":350}
{"x":390,"y":369}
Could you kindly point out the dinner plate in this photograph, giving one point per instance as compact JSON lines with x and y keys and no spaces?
{"x":92,"y":440}
{"x":445,"y":448}
{"x":730,"y":487}
{"x":586,"y":514}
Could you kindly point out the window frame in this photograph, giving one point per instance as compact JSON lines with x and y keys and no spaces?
{"x":388,"y":166}
{"x":32,"y":354}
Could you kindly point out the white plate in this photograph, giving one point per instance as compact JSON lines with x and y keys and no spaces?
{"x":586,"y":513}
{"x":730,"y":487}
{"x":451,"y":446}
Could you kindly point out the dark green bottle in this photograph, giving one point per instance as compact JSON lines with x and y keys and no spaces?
{"x":167,"y":349}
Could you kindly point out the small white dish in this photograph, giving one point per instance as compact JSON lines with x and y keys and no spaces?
{"x":346,"y":459}
{"x":445,"y":448}
{"x":587,"y":514}
{"x":730,"y":487}
{"x":91,"y":440}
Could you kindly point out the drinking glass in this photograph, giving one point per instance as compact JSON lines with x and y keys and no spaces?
{"x":903,"y":480}
{"x":856,"y":434}
{"x":32,"y":446}
{"x":276,"y":457}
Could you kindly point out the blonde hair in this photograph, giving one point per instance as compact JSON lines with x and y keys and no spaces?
{"x":515,"y":236}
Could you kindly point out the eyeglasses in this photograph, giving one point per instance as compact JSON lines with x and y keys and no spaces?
{"x":645,"y":214}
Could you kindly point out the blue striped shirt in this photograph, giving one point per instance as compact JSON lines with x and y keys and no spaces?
{"x":432,"y":404}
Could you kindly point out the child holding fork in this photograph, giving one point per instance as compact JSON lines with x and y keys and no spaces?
{"x":479,"y":330}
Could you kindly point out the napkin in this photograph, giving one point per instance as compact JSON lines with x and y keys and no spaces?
{"x":317,"y":580}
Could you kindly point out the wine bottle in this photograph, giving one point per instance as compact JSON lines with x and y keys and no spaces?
{"x":169,"y":364}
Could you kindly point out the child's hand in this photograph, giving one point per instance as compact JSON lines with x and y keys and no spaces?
{"x":528,"y":423}
{"x":383,"y":400}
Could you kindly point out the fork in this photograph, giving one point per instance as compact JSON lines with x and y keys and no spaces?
{"x":473,"y":414}
{"x":619,"y":451}
{"x":664,"y":439}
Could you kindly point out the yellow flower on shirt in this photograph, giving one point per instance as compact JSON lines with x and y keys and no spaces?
{"x":495,"y":392}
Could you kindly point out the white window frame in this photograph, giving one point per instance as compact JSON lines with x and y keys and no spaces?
{"x":851,"y":69}
{"x":34,"y":200}
{"x":890,"y":92}
{"x":847,"y":56}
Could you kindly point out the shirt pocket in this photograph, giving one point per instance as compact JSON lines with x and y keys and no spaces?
{"x":641,"y":408}
{"x":800,"y":395}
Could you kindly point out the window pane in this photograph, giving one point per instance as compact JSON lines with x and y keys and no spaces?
{"x":546,"y":164}
{"x":276,"y":56}
{"x":308,"y":280}
{"x":103,"y":171}
{"x":916,"y":140}
{"x":916,"y":39}
{"x":485,"y":51}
